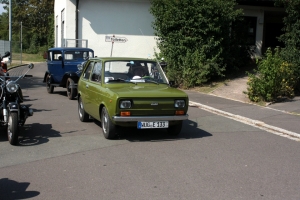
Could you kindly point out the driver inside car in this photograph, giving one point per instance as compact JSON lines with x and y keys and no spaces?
{"x":138,"y":72}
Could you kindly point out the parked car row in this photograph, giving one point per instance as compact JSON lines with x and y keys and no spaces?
{"x":117,"y":91}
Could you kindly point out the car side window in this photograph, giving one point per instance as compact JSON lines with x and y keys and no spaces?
{"x":88,"y":71}
{"x":96,"y":74}
{"x":57,"y":55}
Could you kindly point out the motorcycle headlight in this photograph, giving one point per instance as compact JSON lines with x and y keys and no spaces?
{"x":12,"y":87}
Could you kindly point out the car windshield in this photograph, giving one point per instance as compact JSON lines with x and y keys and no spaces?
{"x":134,"y":71}
{"x":78,"y":55}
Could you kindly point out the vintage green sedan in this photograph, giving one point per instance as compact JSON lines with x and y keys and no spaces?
{"x":129,"y":92}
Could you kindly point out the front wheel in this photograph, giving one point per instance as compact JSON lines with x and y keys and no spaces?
{"x":50,"y":87}
{"x":83,"y":116}
{"x":175,"y":129}
{"x":71,"y":91}
{"x":108,"y":128}
{"x":13,"y":128}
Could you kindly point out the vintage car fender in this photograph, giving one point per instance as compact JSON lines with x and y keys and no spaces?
{"x":46,"y":74}
{"x":73,"y":75}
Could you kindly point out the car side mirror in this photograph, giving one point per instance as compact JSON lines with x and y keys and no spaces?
{"x":172,"y":83}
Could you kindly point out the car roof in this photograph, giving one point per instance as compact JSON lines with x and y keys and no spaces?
{"x":69,"y":49}
{"x":121,"y":58}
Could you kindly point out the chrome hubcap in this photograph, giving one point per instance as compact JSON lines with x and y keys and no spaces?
{"x":9,"y":133}
{"x":80,"y":109}
{"x":104,"y":123}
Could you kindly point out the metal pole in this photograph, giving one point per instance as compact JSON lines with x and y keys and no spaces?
{"x":10,"y":34}
{"x":21,"y":43}
{"x":112,"y":45}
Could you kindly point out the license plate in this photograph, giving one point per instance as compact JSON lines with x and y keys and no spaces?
{"x":157,"y":124}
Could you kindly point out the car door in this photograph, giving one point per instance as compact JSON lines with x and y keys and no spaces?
{"x":94,"y":88}
{"x":85,"y":87}
{"x":55,"y":65}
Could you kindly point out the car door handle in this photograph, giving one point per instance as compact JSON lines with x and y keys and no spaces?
{"x":87,"y":86}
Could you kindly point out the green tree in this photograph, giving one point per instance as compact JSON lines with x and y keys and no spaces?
{"x":196,"y":38}
{"x":37,"y":23}
{"x":290,"y":38}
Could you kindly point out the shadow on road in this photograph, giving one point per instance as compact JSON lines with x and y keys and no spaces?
{"x":189,"y":130}
{"x":10,"y":189}
{"x":36,"y":134}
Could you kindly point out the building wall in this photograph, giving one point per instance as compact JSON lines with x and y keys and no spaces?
{"x":128,"y":19}
{"x":259,"y":12}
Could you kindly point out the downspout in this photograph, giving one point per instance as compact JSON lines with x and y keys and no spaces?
{"x":76,"y":22}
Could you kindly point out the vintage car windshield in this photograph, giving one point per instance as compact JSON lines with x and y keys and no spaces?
{"x":78,"y":55}
{"x":134,"y":71}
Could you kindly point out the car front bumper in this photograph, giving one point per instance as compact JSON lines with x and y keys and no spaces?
{"x":149,"y":118}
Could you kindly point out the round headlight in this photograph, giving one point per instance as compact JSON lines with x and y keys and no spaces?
{"x":179,"y":103}
{"x":125,"y":104}
{"x":12,"y":87}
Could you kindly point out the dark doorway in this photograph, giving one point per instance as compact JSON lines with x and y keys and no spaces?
{"x":273,"y":25}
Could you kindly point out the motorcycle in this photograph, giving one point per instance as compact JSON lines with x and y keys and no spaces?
{"x":3,"y":66}
{"x":12,"y":113}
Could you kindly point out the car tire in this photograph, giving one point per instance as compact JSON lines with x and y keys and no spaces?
{"x":71,"y":92}
{"x":50,"y":87}
{"x":13,"y":128}
{"x":108,"y":128}
{"x":175,"y":129}
{"x":83,"y":116}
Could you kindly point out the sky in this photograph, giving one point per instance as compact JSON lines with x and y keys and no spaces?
{"x":1,"y":8}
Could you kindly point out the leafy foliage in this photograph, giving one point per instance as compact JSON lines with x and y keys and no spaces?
{"x":273,"y":79}
{"x":37,"y":17}
{"x":291,"y":37}
{"x":195,"y":38}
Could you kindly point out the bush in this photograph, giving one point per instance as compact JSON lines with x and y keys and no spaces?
{"x":274,"y":78}
{"x":195,"y":38}
{"x":290,"y":38}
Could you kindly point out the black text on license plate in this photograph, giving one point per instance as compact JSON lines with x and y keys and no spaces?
{"x":157,"y":124}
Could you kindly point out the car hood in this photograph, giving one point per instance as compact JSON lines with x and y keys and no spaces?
{"x":148,"y":90}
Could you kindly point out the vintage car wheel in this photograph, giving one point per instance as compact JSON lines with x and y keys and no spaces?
{"x":71,"y":92}
{"x":50,"y":87}
{"x":175,"y":129}
{"x":83,"y":116}
{"x":108,"y":128}
{"x":13,"y":128}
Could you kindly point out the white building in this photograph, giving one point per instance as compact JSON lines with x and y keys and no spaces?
{"x":96,"y":19}
{"x":130,"y":21}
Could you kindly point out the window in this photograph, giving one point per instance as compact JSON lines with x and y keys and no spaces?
{"x":96,"y":75}
{"x":88,"y":70}
{"x":77,"y":55}
{"x":57,"y":55}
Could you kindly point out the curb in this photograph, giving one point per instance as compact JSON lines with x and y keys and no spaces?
{"x":255,"y":123}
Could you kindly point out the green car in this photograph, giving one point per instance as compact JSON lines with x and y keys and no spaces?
{"x":129,"y":92}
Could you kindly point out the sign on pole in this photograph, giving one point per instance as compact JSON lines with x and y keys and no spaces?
{"x":115,"y":39}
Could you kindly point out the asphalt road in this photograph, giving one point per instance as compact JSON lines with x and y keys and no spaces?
{"x":214,"y":157}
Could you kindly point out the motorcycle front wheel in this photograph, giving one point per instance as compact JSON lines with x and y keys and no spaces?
{"x":13,"y":128}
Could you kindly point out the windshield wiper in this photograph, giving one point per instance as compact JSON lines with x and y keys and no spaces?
{"x":119,"y":80}
{"x":150,"y":81}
